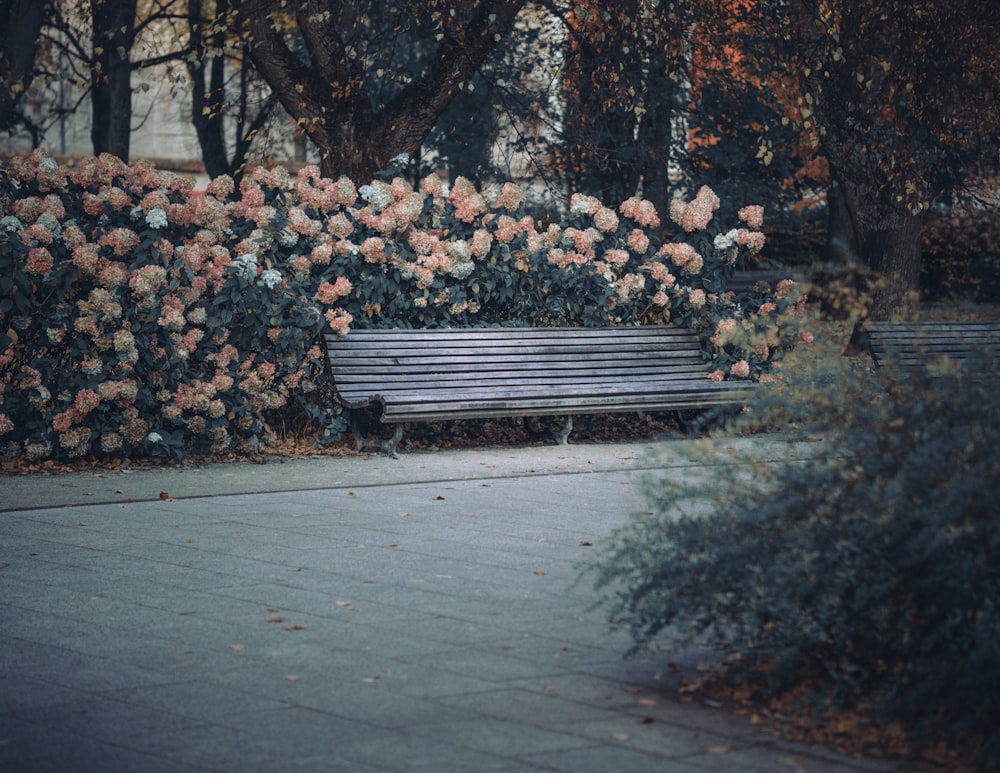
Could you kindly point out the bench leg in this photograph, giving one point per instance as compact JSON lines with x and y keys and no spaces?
{"x":562,"y":436}
{"x":389,"y":446}
{"x":359,"y":438}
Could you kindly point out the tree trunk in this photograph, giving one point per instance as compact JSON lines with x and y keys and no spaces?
{"x":111,"y":76}
{"x":20,"y":26}
{"x":893,"y":253}
{"x":208,"y":97}
{"x":655,"y":137}
{"x":843,"y":244}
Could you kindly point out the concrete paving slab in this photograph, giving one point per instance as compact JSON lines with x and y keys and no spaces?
{"x":356,"y":613}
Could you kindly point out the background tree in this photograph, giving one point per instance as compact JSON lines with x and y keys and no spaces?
{"x":111,"y":75}
{"x":740,"y":139}
{"x":20,"y":26}
{"x":358,"y":103}
{"x":624,"y":82}
{"x":222,"y":78}
{"x":901,"y":98}
{"x":100,"y":41}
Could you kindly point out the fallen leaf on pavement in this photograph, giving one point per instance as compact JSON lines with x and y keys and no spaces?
{"x":275,"y":619}
{"x":164,"y":495}
{"x":719,"y":750}
{"x":539,"y":571}
{"x":237,"y":647}
{"x":622,"y":737}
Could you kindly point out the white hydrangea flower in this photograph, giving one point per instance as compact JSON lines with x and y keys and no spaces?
{"x":462,"y":269}
{"x":154,"y":437}
{"x":377,"y":195}
{"x":9,"y":223}
{"x":246,"y":267}
{"x":402,"y":159}
{"x":270,"y":278}
{"x":49,"y":223}
{"x":725,"y":241}
{"x":156,"y":218}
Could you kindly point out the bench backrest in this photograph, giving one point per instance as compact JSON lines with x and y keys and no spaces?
{"x":917,"y":344}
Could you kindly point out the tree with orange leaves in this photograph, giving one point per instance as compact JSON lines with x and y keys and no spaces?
{"x":903,"y":100}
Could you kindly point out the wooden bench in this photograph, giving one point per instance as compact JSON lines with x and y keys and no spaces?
{"x":914,"y":346}
{"x":476,"y":373}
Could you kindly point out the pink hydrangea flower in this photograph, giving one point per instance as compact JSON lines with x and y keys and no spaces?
{"x":482,"y":241}
{"x":637,"y":241}
{"x":695,"y":215}
{"x":39,"y":261}
{"x":616,"y":257}
{"x":432,"y":185}
{"x":640,"y":210}
{"x":373,"y":248}
{"x":121,"y":240}
{"x":468,"y":202}
{"x":511,"y":197}
{"x":740,"y":369}
{"x":221,"y":187}
{"x":328,"y":293}
{"x":339,"y":320}
{"x":752,"y":215}
{"x":752,"y":240}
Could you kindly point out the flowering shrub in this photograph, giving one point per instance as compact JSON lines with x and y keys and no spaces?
{"x":139,"y":318}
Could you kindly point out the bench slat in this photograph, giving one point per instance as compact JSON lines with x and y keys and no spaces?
{"x":501,"y":391}
{"x":552,"y":406}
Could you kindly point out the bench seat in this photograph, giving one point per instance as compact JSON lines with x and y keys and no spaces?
{"x":476,"y":373}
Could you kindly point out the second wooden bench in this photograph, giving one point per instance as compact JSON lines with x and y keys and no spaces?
{"x":916,"y":345}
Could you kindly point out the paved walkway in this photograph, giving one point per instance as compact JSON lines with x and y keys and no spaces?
{"x":356,"y":613}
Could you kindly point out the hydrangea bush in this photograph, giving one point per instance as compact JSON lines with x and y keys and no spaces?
{"x":139,"y":317}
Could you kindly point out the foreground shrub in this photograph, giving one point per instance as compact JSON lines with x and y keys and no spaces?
{"x":871,"y":573}
{"x":139,"y":318}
